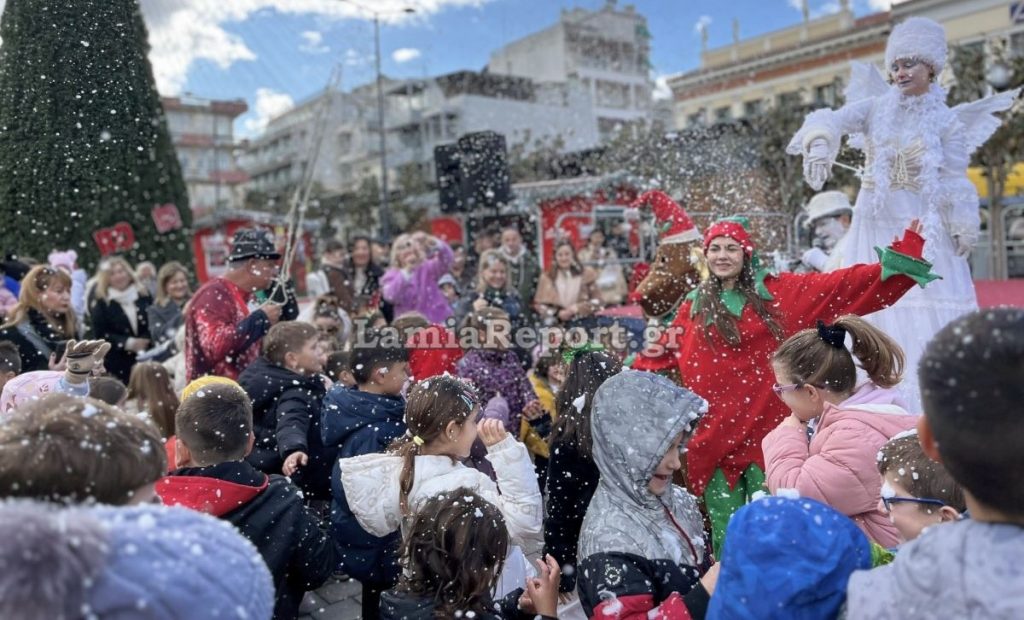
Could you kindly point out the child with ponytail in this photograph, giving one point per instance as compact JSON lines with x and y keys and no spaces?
{"x":816,"y":377}
{"x":441,"y":415}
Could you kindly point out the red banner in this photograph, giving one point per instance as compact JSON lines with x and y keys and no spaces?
{"x":118,"y":238}
{"x":166,"y":217}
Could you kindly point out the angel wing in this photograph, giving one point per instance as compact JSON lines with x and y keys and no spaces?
{"x":866,"y":81}
{"x":979,"y":117}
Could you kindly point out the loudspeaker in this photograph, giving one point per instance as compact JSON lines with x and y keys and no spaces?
{"x":485,"y":169}
{"x":448,"y":169}
{"x":472,"y":173}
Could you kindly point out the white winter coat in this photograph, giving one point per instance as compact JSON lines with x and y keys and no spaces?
{"x":371,"y":483}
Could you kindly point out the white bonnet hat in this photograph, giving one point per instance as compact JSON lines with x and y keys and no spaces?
{"x":825,"y":204}
{"x":918,"y":37}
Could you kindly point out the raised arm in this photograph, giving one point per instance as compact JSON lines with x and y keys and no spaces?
{"x":821,"y":136}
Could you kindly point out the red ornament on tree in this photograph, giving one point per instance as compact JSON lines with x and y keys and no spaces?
{"x":166,"y":217}
{"x":118,"y":238}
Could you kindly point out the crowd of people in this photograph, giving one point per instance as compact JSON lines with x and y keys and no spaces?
{"x":219,"y":452}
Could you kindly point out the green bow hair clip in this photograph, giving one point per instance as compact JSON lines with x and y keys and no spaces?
{"x":574,"y":352}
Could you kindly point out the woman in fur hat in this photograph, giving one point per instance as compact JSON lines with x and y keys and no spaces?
{"x":916,"y":155}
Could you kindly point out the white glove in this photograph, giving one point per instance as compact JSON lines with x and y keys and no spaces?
{"x":815,"y":258}
{"x":963,"y":245}
{"x":817,"y":163}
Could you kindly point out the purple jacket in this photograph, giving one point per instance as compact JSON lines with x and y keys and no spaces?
{"x":499,"y":371}
{"x":418,"y":291}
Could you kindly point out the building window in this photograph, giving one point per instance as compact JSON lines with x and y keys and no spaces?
{"x":753,"y":108}
{"x":723,"y":114}
{"x":695,"y":120}
{"x":790,"y":100}
{"x":825,"y":96}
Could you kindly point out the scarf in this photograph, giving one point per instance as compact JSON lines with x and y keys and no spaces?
{"x":126,"y":299}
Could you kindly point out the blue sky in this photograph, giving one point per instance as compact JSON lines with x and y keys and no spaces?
{"x":275,"y":52}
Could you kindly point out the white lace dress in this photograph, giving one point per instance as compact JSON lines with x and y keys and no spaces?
{"x":917,"y":151}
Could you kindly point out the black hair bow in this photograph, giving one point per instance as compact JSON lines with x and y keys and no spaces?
{"x":832,"y":335}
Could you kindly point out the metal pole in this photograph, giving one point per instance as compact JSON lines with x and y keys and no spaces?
{"x":385,"y":210}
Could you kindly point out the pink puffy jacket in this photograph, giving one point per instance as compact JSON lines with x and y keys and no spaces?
{"x":839,"y":465}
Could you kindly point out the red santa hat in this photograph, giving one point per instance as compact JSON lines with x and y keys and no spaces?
{"x":667,"y":211}
{"x":736,"y":228}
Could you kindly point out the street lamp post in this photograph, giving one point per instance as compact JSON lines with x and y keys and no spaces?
{"x":385,"y":206}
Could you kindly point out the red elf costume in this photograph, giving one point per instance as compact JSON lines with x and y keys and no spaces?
{"x":724,"y":458}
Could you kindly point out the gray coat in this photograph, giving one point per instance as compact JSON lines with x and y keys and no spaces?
{"x":967,"y":569}
{"x":164,"y":321}
{"x":635,"y":417}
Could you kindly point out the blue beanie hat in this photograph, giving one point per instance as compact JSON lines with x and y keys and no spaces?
{"x":787,"y":559}
{"x":142,"y":562}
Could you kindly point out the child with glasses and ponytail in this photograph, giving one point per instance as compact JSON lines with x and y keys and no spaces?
{"x":835,"y":463}
{"x":441,"y":414}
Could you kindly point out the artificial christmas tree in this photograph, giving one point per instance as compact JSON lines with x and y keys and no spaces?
{"x":86,"y":161}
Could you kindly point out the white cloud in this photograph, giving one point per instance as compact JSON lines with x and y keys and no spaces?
{"x":355,"y":58}
{"x":702,"y":23}
{"x":405,"y":54}
{"x":182,"y":32}
{"x":797,"y":4}
{"x":313,"y":42}
{"x":269,"y":103}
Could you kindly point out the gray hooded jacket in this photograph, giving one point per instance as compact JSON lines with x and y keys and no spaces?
{"x":635,"y":417}
{"x":968,"y":569}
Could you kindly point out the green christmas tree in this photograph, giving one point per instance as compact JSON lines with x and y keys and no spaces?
{"x":84,"y":146}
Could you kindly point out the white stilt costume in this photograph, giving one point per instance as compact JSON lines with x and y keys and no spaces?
{"x":917,"y":151}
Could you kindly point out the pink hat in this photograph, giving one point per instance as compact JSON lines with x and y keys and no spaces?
{"x":63,"y":260}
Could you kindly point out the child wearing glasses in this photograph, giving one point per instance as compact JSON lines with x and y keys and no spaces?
{"x":970,"y":377}
{"x":816,"y":378}
{"x":917,"y":492}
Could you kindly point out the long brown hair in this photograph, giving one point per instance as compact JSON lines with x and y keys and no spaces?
{"x":586,"y":373}
{"x":810,"y":360}
{"x":432,"y":404}
{"x":33,"y":285}
{"x":166,"y":274}
{"x":709,"y":298}
{"x":454,"y":552}
{"x":575,"y":269}
{"x":151,"y":385}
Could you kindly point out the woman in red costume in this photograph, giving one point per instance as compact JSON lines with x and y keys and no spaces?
{"x":725,"y":333}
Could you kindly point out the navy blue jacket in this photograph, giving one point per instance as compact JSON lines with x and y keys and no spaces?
{"x":357,"y":422}
{"x":286,"y":409}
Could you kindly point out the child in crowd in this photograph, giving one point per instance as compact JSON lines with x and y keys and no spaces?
{"x":365,"y":419}
{"x":495,"y":370}
{"x":150,"y":390}
{"x":453,"y":555}
{"x":441,"y":414}
{"x":215,"y":432}
{"x":109,"y":390}
{"x":287,"y":392}
{"x":10,"y":362}
{"x":433,"y":349}
{"x":76,"y":450}
{"x":545,"y":378}
{"x":917,"y":492}
{"x":117,"y":562}
{"x":572,"y":474}
{"x":786,"y":558}
{"x":642,"y":548}
{"x":970,"y":378}
{"x":338,"y":368}
{"x":816,"y":377}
